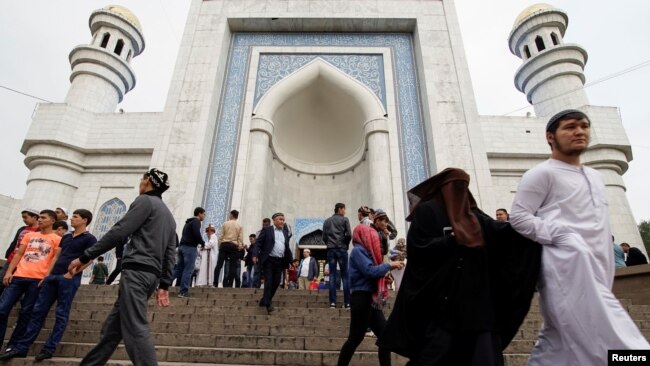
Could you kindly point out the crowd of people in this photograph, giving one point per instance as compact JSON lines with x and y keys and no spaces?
{"x":467,"y":288}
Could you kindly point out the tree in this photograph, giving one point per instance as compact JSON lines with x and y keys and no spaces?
{"x":644,"y":229}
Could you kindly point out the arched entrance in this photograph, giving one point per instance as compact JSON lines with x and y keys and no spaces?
{"x":316,"y":137}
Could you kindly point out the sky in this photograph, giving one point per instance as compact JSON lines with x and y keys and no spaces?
{"x":36,"y":37}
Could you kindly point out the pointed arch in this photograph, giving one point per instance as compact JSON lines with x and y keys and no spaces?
{"x":108,"y":214}
{"x":345,"y":107}
{"x":539,"y":42}
{"x":555,"y":39}
{"x":105,"y":39}
{"x":118,"y":47}
{"x":307,"y":75}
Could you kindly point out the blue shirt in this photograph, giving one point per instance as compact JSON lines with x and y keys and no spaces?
{"x":619,"y":256}
{"x":72,"y":247}
{"x":278,"y":248}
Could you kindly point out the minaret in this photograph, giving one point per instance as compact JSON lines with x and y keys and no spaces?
{"x":100,"y":77}
{"x":552,"y":73}
{"x":101,"y":73}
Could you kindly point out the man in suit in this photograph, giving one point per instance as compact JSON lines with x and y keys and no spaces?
{"x":635,"y":256}
{"x":274,"y":255}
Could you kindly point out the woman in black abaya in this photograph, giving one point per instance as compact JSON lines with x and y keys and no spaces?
{"x":469,"y":281}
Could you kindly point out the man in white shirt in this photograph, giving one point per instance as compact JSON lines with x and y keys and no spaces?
{"x":562,"y":205}
{"x":307,"y":270}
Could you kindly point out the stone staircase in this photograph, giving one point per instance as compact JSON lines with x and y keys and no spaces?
{"x":226,"y":327}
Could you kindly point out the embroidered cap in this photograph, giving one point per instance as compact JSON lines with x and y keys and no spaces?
{"x":159,"y":179}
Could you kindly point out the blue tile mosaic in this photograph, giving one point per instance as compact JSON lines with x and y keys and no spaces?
{"x":303,"y":227}
{"x":412,"y":140}
{"x":366,"y":68}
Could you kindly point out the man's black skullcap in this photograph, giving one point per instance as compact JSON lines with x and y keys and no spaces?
{"x":560,"y":116}
{"x":277,"y":214}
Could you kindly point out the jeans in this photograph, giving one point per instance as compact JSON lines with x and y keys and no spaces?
{"x":339,"y":256}
{"x":187,"y":260}
{"x":19,"y":286}
{"x":253,"y":275}
{"x":362,"y":316}
{"x":55,"y":288}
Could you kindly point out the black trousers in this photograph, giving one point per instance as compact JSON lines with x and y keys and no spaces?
{"x":226,"y":250}
{"x":273,"y":268}
{"x":232,"y":271}
{"x":362,"y":317}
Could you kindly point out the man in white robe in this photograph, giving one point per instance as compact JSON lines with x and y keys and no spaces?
{"x":208,"y":255}
{"x":562,"y":205}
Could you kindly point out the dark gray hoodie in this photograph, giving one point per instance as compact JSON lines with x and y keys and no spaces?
{"x":153,"y":238}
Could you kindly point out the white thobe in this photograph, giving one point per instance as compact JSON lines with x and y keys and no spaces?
{"x":206,"y":273}
{"x":564,"y":208}
{"x":398,"y":274}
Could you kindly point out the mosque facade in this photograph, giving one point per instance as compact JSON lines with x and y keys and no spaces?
{"x":294,"y":106}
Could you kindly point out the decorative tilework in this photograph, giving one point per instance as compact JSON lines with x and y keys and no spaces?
{"x":411,"y":134}
{"x":366,"y":68}
{"x":303,"y":227}
{"x":109,"y":213}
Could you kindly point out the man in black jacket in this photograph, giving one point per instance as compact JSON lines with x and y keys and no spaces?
{"x":273,"y":253}
{"x":635,"y":256}
{"x":187,"y":252}
{"x":147,"y":263}
{"x":337,"y":235}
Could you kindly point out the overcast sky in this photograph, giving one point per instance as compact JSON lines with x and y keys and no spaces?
{"x":36,"y":37}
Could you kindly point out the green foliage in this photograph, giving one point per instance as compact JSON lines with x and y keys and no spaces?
{"x":644,"y":229}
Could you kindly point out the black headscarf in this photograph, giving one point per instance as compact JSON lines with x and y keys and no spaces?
{"x":450,"y":188}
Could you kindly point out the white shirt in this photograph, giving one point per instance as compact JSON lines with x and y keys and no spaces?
{"x":304,"y":267}
{"x":278,"y":248}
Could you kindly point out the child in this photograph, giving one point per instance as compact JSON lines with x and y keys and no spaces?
{"x":322,"y":285}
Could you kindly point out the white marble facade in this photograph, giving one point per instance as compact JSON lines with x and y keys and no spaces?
{"x":249,"y":101}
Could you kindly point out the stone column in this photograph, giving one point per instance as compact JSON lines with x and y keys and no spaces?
{"x":378,"y":157}
{"x":621,"y":220}
{"x":258,"y":165}
{"x":53,"y":178}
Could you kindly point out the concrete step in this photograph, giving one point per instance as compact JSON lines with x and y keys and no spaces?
{"x":194,"y":355}
{"x":73,"y":361}
{"x":227,"y":327}
{"x":260,"y":318}
{"x":311,"y":343}
{"x":245,"y":342}
{"x":518,"y":359}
